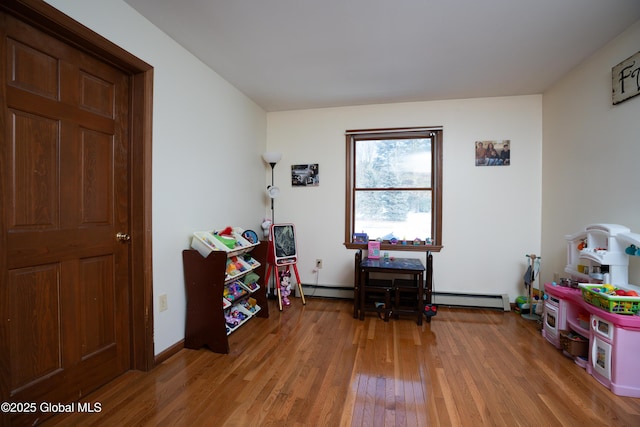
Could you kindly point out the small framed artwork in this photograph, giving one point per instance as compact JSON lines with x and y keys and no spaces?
{"x":493,"y":153}
{"x":305,"y":175}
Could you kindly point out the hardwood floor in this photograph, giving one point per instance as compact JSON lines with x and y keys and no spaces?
{"x":316,"y":365}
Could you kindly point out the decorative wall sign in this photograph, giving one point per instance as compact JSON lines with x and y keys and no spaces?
{"x":625,"y":78}
{"x":305,"y":175}
{"x":493,"y":153}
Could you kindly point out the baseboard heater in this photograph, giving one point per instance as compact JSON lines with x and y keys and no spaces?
{"x":497,"y":301}
{"x":341,"y":292}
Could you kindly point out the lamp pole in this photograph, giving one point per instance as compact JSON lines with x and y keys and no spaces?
{"x":273,"y":218}
{"x":272,"y":158}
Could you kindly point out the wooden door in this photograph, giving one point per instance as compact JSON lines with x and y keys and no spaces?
{"x":64,"y":165}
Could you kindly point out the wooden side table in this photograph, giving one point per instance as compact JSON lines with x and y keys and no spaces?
{"x":395,"y":266}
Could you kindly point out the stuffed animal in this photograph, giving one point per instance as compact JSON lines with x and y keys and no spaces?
{"x":266,"y":225}
{"x":234,"y":317}
{"x":228,"y":231}
{"x":285,"y":286}
{"x":231,"y":319}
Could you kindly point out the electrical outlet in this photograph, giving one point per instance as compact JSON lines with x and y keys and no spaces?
{"x":162,"y":302}
{"x":318,"y":264}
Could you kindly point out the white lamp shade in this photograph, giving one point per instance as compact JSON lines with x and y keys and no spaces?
{"x":273,"y":191}
{"x":272,"y":157}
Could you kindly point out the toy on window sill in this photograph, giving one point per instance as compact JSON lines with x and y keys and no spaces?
{"x":285,"y":287}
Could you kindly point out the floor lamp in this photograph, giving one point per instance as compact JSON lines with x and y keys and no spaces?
{"x":272,"y":158}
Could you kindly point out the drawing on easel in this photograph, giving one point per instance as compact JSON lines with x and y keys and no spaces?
{"x":281,"y":258}
{"x":284,"y":243}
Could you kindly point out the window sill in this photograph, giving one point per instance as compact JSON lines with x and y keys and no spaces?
{"x":399,"y":247}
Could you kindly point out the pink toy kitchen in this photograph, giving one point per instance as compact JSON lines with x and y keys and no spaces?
{"x":593,"y":315}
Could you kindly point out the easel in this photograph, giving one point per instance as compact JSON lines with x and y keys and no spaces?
{"x":534,"y":271}
{"x":276,"y":261}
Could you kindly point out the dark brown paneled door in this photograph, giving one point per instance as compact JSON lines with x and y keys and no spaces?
{"x":64,"y":175}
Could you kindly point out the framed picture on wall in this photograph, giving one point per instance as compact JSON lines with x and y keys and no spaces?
{"x":307,"y":175}
{"x":493,"y":153}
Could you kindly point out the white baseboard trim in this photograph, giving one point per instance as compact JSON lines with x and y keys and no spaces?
{"x":495,"y":301}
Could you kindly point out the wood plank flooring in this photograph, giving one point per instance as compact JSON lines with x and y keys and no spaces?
{"x":315,"y":365}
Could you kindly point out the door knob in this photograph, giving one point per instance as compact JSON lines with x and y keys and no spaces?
{"x":123,"y":237}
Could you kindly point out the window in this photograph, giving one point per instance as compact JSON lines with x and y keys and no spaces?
{"x":394,"y":187}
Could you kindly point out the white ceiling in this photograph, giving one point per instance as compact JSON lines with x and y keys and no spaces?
{"x":299,"y":54}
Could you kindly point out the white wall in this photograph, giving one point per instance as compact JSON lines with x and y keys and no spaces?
{"x":591,"y":154}
{"x":491,"y":215}
{"x":207,"y":143}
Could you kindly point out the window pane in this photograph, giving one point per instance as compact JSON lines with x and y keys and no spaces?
{"x":400,"y":163}
{"x":399,"y":214}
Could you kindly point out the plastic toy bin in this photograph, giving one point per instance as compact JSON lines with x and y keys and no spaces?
{"x":611,"y":303}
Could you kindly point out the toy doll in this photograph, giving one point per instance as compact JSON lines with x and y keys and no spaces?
{"x":285,"y":286}
{"x":231,"y":319}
